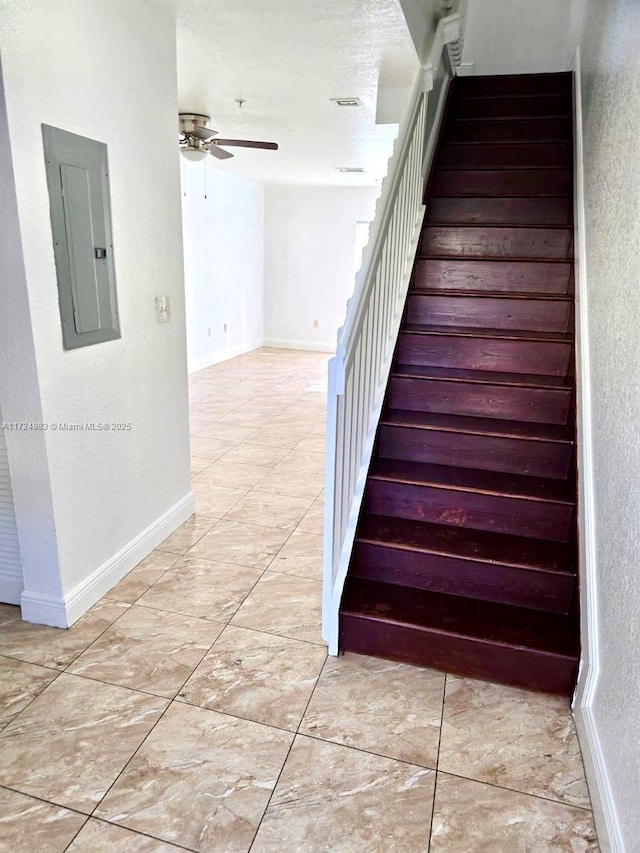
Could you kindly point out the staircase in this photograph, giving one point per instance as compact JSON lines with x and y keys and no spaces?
{"x":465,"y":557}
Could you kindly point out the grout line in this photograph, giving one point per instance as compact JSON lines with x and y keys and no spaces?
{"x":435,"y":781}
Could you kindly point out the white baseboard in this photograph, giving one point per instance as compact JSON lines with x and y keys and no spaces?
{"x":312,"y":346}
{"x":63,"y":612}
{"x":604,"y":808}
{"x":465,"y":69}
{"x":11,"y":585}
{"x":223,"y":355}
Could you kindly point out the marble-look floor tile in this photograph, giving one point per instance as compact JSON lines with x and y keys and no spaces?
{"x":333,"y":798}
{"x":54,"y":647}
{"x":138,"y":581}
{"x":214,"y":500}
{"x":241,"y":544}
{"x":257,"y":676}
{"x":256,"y":454}
{"x":275,"y":438}
{"x":315,"y":443}
{"x":31,"y":826}
{"x":230,"y":433}
{"x":304,"y":462}
{"x":389,"y":708}
{"x":239,"y":474}
{"x":285,"y":605}
{"x":96,"y":836}
{"x":198,"y":464}
{"x":187,"y":534}
{"x":20,"y":682}
{"x":284,"y":481}
{"x":73,"y":740}
{"x":209,"y":448}
{"x":149,"y":650}
{"x":201,"y":779}
{"x":484,"y":819}
{"x":202,"y":588}
{"x":313,"y":521}
{"x":268,"y":510}
{"x":300,"y":555}
{"x":513,"y":738}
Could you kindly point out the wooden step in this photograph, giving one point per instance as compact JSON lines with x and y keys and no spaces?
{"x":473,"y":131}
{"x":485,"y":308}
{"x":528,"y":573}
{"x":501,"y":396}
{"x":485,"y":349}
{"x":510,"y":85}
{"x":499,"y":211}
{"x":494,"y":275}
{"x":498,"y":155}
{"x":515,"y":447}
{"x":475,"y":241}
{"x":495,"y":642}
{"x":531,"y":106}
{"x":463,"y":497}
{"x":503,"y":182}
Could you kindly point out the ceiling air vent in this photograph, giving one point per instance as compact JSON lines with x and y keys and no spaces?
{"x":347,"y":102}
{"x":357,"y":170}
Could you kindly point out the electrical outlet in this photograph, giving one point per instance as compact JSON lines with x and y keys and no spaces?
{"x":209,"y":332}
{"x":315,"y":324}
{"x":163,"y":309}
{"x":225,"y":328}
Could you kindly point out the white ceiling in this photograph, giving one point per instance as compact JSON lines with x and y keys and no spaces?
{"x":287,"y":58}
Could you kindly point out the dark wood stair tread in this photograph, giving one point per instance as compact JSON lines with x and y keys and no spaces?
{"x":466,"y":543}
{"x":419,"y":290}
{"x":473,"y":480}
{"x":483,"y":377}
{"x":478,"y":426}
{"x":472,"y":332}
{"x":500,"y":624}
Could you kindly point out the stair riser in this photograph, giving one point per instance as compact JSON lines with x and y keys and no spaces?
{"x":488,"y":661}
{"x":507,"y":276}
{"x":504,"y":402}
{"x":505,"y":84}
{"x":520,"y":587}
{"x":535,"y":315}
{"x":516,"y":130}
{"x":472,"y":241}
{"x":498,"y":211}
{"x":546,"y":358}
{"x":497,"y":513}
{"x":548,"y":105}
{"x":510,"y":182}
{"x":465,"y":450}
{"x":496,"y":155}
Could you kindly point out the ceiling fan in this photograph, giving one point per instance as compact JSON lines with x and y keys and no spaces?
{"x":197,"y":139}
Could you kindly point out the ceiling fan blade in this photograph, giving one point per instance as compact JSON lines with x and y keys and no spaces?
{"x":203,"y":133}
{"x":247,"y":143}
{"x":219,"y":153}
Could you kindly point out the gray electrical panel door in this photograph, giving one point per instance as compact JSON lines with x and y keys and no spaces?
{"x":78,"y":181}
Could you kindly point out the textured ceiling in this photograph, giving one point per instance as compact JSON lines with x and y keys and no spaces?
{"x":287,"y":58}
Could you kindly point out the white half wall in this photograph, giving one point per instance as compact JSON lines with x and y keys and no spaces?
{"x":223,"y":221}
{"x":608,"y":711}
{"x":517,"y":36}
{"x":97,"y":69}
{"x":309,"y":261}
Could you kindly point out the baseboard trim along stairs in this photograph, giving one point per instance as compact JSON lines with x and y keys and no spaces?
{"x":465,"y":555}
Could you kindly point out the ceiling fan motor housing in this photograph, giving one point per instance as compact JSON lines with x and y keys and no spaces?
{"x":188,"y":122}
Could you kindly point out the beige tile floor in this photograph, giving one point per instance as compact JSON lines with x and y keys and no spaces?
{"x":194,"y":707}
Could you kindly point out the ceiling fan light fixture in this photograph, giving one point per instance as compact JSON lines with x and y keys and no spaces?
{"x":195,"y":155}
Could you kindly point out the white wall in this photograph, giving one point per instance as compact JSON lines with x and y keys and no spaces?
{"x":517,"y":36}
{"x":100,"y":69}
{"x":308,"y":261}
{"x":610,"y":64}
{"x":223,"y":262}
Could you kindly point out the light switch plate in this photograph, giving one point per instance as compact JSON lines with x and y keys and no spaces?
{"x":163,"y":309}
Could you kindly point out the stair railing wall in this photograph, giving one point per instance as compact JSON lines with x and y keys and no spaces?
{"x":359,"y":371}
